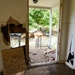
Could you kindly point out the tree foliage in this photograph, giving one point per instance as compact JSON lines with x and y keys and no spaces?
{"x":55,"y":16}
{"x":41,"y":18}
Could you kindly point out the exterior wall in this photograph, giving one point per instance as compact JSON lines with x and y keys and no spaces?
{"x":16,"y":9}
{"x":71,"y":35}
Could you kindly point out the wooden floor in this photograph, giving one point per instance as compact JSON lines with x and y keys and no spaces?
{"x":53,"y":69}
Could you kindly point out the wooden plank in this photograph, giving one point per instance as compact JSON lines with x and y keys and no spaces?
{"x":27,"y":33}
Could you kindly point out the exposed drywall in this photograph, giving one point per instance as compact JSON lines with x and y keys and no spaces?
{"x":71,"y":36}
{"x":17,"y":9}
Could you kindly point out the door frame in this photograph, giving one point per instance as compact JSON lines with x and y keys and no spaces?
{"x":59,"y":32}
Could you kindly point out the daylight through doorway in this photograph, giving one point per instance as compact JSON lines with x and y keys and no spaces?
{"x":42,"y":44}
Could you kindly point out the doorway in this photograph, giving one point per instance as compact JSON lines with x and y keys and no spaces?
{"x":43,"y":35}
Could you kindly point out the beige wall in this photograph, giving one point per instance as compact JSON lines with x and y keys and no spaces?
{"x":16,"y":9}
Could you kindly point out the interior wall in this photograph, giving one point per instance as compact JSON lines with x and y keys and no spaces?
{"x":71,"y":35}
{"x":17,"y":9}
{"x":2,"y":46}
{"x":63,"y":30}
{"x":13,"y":8}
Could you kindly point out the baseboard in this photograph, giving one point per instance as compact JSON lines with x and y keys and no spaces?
{"x":69,"y":65}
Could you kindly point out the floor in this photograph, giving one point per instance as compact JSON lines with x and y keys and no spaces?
{"x":53,"y":69}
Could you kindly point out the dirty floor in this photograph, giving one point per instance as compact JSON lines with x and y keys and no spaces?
{"x":53,"y":69}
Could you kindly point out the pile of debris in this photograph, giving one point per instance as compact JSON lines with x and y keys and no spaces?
{"x":50,"y":54}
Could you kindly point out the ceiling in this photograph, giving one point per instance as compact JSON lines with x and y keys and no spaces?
{"x":44,"y":4}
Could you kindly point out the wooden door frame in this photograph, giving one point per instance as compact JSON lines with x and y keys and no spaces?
{"x":27,"y":35}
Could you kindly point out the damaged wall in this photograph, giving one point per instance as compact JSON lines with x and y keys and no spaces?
{"x":16,"y":9}
{"x":70,"y":59}
{"x":67,"y":48}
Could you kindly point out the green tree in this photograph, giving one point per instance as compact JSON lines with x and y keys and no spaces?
{"x":55,"y":16}
{"x":41,"y":18}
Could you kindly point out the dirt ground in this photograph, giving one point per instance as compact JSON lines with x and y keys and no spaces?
{"x":40,"y":54}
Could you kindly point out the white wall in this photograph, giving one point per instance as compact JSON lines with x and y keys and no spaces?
{"x":16,"y":9}
{"x":67,"y":31}
{"x":64,"y":28}
{"x":71,"y":33}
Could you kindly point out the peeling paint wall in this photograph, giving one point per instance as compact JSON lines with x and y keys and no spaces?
{"x":17,"y":9}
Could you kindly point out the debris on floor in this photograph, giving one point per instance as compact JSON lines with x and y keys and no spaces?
{"x":34,"y":53}
{"x":31,"y":60}
{"x":50,"y":54}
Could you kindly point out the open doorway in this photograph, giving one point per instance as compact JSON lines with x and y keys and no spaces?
{"x":43,"y":35}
